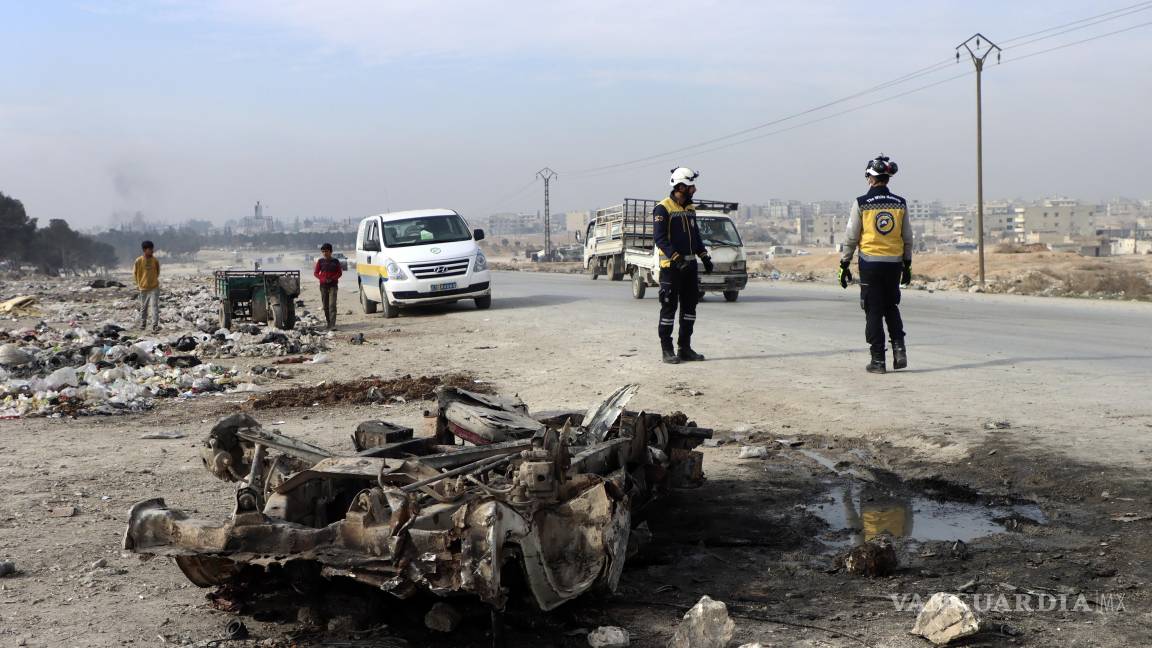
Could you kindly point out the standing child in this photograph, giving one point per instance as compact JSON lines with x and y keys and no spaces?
{"x":328,"y":272}
{"x":146,"y":271}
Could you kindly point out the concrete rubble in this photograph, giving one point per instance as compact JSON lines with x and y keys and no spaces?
{"x":553,"y":498}
{"x":82,"y":359}
{"x":946,"y":618}
{"x":706,"y":625}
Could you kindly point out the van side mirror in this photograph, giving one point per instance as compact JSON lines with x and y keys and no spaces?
{"x":579,"y":237}
{"x":478,"y":234}
{"x":371,"y":246}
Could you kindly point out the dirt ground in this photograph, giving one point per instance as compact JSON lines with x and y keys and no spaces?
{"x":760,"y":535}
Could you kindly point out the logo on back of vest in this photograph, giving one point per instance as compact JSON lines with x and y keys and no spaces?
{"x":885,"y":222}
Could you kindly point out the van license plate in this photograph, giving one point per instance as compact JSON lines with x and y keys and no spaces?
{"x":444,"y":286}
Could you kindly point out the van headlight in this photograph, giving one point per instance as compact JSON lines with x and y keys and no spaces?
{"x":481,"y":262}
{"x":394,"y":271}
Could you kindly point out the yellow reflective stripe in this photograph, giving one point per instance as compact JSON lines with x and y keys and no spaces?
{"x":371,"y":270}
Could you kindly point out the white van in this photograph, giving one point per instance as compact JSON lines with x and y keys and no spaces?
{"x":425,"y":256}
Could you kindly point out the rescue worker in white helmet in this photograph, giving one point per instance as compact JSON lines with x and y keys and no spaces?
{"x":678,"y":240}
{"x":878,"y":225}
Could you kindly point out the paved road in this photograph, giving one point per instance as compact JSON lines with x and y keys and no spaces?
{"x":1072,"y":376}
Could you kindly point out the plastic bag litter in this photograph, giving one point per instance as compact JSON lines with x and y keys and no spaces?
{"x":62,"y":377}
{"x":247,"y":387}
{"x":753,"y":452}
{"x":13,"y":356}
{"x":320,"y":358}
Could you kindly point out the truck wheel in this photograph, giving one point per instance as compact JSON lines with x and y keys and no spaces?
{"x":226,"y":314}
{"x":617,"y":268}
{"x":483,"y":303}
{"x":639,"y":283}
{"x":366,"y":305}
{"x":731,"y":295}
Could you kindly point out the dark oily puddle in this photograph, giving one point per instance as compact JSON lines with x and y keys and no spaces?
{"x":858,"y":511}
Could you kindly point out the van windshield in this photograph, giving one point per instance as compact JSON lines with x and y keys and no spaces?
{"x":425,"y":230}
{"x":717,"y":230}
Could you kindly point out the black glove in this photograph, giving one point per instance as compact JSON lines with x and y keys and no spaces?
{"x":845,"y":274}
{"x":906,"y":275}
{"x":707,"y":261}
{"x":679,"y":262}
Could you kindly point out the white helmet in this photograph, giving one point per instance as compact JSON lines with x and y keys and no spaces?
{"x":683,"y":175}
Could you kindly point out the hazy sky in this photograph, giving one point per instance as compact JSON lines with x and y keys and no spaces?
{"x":344,"y":108}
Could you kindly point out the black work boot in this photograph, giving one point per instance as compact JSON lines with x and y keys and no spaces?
{"x":688,"y":355}
{"x":877,"y":364}
{"x":669,"y":353}
{"x":899,"y":355}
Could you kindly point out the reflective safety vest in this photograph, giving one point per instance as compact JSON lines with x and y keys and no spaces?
{"x":675,"y":230}
{"x":883,"y":217}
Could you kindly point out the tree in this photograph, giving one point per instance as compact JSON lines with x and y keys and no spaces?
{"x":17,"y":231}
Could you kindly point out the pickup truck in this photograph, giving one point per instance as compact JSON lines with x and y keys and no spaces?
{"x":619,"y":242}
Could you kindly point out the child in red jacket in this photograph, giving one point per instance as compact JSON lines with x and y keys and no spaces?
{"x":328,"y":272}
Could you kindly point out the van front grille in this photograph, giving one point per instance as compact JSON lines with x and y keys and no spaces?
{"x":437,"y":269}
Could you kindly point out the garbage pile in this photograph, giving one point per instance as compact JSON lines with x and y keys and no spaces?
{"x":401,"y":514}
{"x":82,"y":360}
{"x":46,"y":371}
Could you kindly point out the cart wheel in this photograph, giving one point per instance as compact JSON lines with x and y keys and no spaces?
{"x":639,"y":283}
{"x":284,"y":314}
{"x":226,"y":314}
{"x":366,"y":305}
{"x":290,"y":316}
{"x":731,"y":295}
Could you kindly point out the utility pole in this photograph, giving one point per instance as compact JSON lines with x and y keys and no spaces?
{"x":978,"y":61}
{"x":547,"y":174}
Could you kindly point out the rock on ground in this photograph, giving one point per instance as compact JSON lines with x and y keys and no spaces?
{"x":946,"y":618}
{"x":443,"y":618}
{"x":609,"y":637}
{"x":706,"y":625}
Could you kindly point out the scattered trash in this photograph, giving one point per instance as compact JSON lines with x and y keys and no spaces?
{"x":706,"y":625}
{"x":997,"y":425}
{"x":7,"y":568}
{"x":443,"y":617}
{"x":946,"y":618}
{"x":166,"y":434}
{"x":753,"y":452}
{"x":19,"y":306}
{"x":292,"y":360}
{"x":235,"y":630}
{"x":13,"y":356}
{"x":1130,"y":517}
{"x":320,"y":358}
{"x":357,"y":339}
{"x":62,"y":511}
{"x":609,"y":637}
{"x":873,"y":558}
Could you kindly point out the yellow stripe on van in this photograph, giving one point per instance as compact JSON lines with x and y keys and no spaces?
{"x":369,"y":270}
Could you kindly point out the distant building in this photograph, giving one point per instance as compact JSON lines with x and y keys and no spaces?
{"x":576,"y":221}
{"x":1057,"y":218}
{"x":510,"y":223}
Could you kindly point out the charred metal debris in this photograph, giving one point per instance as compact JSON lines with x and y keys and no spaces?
{"x":492,"y":488}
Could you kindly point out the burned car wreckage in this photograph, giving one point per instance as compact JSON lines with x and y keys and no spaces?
{"x":406,"y":514}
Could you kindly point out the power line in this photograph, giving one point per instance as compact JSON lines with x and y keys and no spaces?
{"x":931,"y":69}
{"x":1085,"y":40}
{"x":1072,"y":29}
{"x":508,"y":197}
{"x":639,"y":164}
{"x":1074,"y":22}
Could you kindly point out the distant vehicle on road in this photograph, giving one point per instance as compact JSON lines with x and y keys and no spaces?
{"x":425,"y":256}
{"x":619,"y":241}
{"x":343,"y":259}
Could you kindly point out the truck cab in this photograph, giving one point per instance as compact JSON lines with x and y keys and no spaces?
{"x":730,"y":263}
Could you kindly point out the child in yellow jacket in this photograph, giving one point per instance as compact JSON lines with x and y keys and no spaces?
{"x":146,"y":271}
